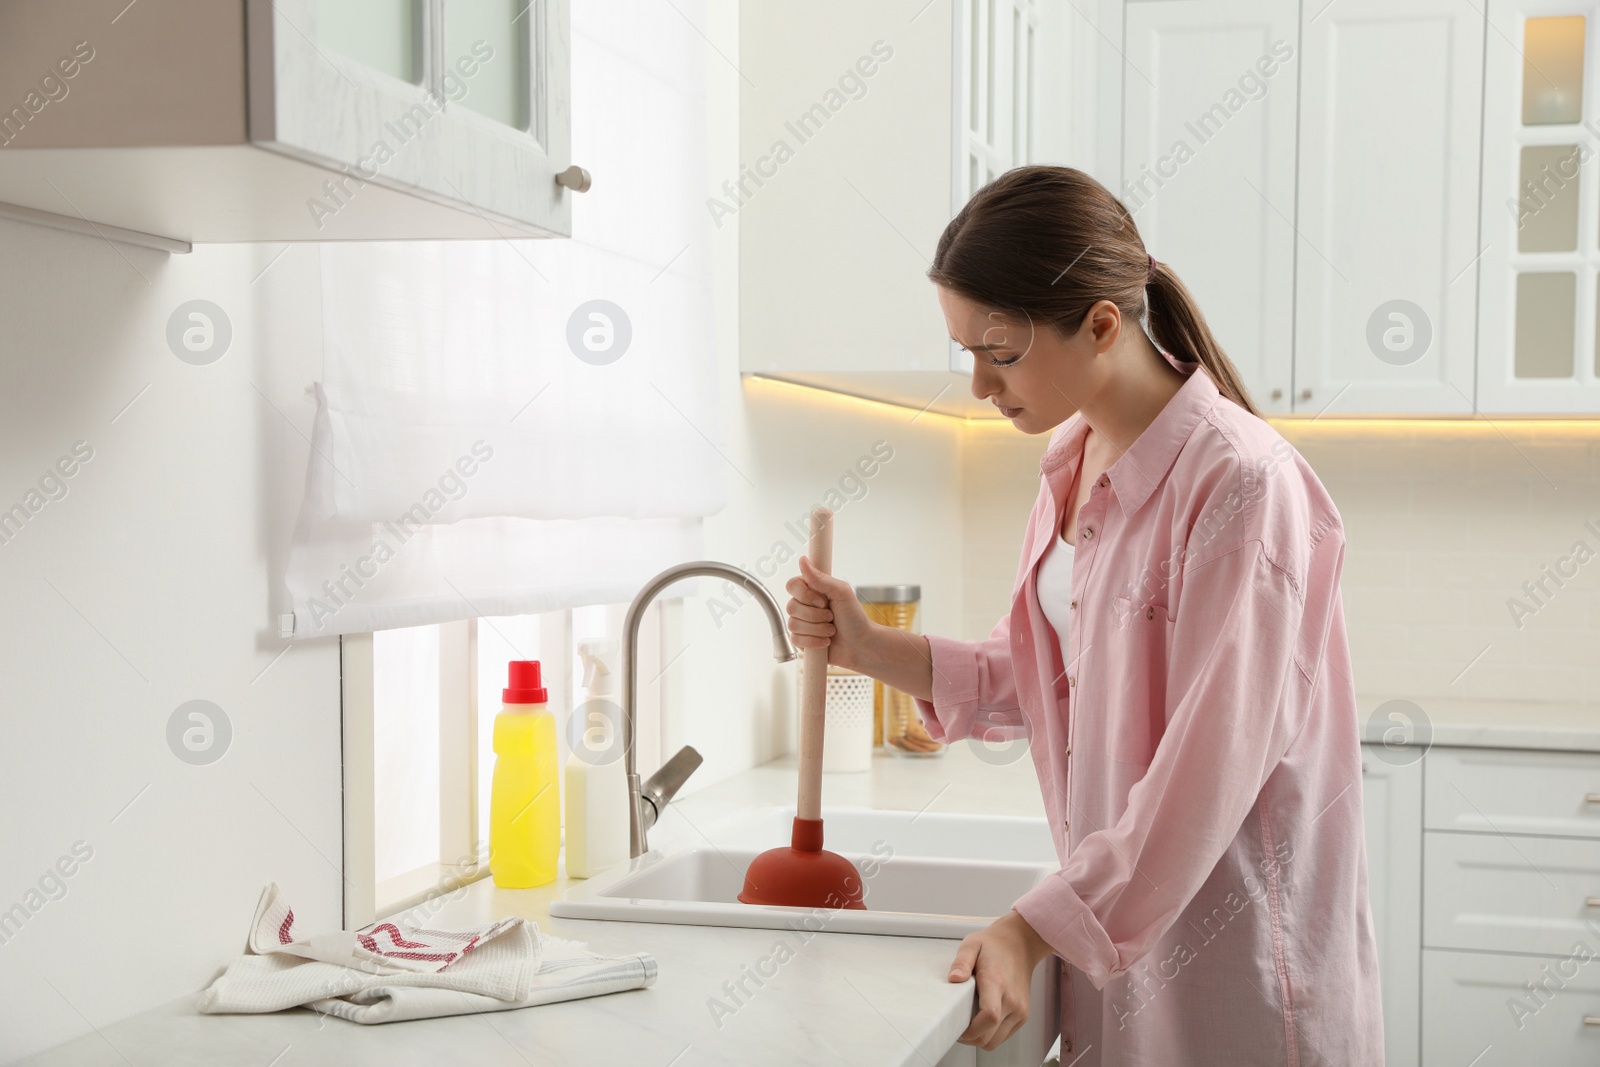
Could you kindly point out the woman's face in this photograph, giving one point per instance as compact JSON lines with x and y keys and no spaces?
{"x":1050,"y":374}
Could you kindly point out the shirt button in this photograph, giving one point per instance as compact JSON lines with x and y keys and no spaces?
{"x":1066,"y":824}
{"x":1149,"y":613}
{"x":1073,"y":604}
{"x":1104,"y":481}
{"x":1072,"y":680}
{"x":1088,"y":532}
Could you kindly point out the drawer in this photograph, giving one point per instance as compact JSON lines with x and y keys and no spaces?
{"x":1496,"y":790}
{"x":1470,"y":1012}
{"x":1510,"y":894}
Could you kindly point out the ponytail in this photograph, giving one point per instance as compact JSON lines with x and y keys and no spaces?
{"x":1177,"y":326}
{"x":1050,"y":242}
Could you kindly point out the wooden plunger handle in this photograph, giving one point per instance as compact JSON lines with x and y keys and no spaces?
{"x":814,"y":691}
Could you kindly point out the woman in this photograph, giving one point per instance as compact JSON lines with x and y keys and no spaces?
{"x":1175,"y":654}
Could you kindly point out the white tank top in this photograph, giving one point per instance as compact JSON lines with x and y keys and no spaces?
{"x":1053,"y":585}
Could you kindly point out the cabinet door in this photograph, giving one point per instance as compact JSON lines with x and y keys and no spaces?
{"x":1390,"y":103}
{"x":1538,"y":347}
{"x":1510,"y":893}
{"x":1208,"y":168}
{"x":1510,"y":1011}
{"x":465,"y":102}
{"x":1392,"y":800}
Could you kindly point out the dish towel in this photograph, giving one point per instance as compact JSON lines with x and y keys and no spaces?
{"x":393,"y":971}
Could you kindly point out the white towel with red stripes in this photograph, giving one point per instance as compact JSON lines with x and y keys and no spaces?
{"x":395,"y":970}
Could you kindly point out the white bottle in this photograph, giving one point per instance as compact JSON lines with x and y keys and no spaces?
{"x":596,"y":779}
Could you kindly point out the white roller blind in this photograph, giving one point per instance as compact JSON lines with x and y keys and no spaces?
{"x":480,"y":448}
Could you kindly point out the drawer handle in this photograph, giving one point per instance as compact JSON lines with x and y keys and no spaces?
{"x":1591,"y":1020}
{"x":1592,"y":902}
{"x":1593,"y":798}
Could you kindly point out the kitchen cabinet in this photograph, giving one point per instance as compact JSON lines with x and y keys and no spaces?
{"x":290,"y":120}
{"x":1311,"y":175}
{"x":1471,"y":1016}
{"x":1540,"y":350}
{"x":1387,"y":214}
{"x":1512,"y":908}
{"x":1209,"y":168}
{"x":858,"y":145}
{"x":1391,"y":780}
{"x":1511,"y":927}
{"x":1484,"y":880}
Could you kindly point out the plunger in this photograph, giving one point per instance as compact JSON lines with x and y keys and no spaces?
{"x":806,"y":875}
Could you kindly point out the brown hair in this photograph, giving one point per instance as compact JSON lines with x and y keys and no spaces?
{"x":1049,"y":242}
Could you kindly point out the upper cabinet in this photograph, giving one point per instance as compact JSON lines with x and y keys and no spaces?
{"x":1208,"y":168}
{"x":1312,"y":176}
{"x":863,"y":128}
{"x":284,"y":120}
{"x":1387,"y":216}
{"x":1403,"y":221}
{"x":1541,"y":225}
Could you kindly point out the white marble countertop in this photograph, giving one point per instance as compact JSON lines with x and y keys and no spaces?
{"x":842,"y":999}
{"x":1480,"y":723}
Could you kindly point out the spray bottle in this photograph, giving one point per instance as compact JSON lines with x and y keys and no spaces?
{"x":597,"y":784}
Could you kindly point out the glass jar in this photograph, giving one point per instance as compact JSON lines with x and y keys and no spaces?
{"x":896,"y":724}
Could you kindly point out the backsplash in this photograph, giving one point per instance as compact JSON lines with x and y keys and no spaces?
{"x":1472,"y":563}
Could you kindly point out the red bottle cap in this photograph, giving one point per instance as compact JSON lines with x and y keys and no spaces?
{"x":525,"y":687}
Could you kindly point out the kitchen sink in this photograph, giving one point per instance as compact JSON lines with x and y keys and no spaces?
{"x":923,"y":875}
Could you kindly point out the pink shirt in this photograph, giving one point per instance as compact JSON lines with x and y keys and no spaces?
{"x":1197,"y":747}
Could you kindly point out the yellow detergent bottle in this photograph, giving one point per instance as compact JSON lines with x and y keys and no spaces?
{"x":525,"y":801}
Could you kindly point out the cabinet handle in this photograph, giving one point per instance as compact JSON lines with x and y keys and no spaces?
{"x":1591,"y":1020}
{"x":1363,"y":766}
{"x":1593,"y":798}
{"x":1305,"y":394}
{"x":1277,"y":394}
{"x":1592,"y":902}
{"x":574,"y":178}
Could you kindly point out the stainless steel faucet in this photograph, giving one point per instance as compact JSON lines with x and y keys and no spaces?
{"x":646,"y":802}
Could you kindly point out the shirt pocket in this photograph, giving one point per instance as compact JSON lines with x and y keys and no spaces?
{"x":1135,"y":693}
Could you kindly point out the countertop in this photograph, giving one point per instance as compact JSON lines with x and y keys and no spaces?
{"x":842,"y":999}
{"x":1428,"y":721}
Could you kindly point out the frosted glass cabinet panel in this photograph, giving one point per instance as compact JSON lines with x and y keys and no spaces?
{"x":1540,"y":229}
{"x":1550,"y":175}
{"x":1546,"y":308}
{"x":1208,"y":168}
{"x":385,"y":35}
{"x":491,"y":38}
{"x":1552,"y":70}
{"x":479,"y":115}
{"x":1390,"y":107}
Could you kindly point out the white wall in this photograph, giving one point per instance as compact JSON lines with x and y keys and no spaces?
{"x":164,"y":557}
{"x":904,"y":525}
{"x":147,"y":585}
{"x":1444,"y":524}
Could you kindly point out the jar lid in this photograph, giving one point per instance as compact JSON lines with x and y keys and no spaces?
{"x":889,"y":594}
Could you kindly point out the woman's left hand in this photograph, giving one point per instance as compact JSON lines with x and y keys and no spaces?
{"x":1002,"y":957}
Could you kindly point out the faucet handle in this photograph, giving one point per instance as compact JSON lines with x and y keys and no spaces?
{"x":659,"y":789}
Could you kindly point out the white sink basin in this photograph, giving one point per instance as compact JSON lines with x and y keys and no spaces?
{"x":909,"y":833}
{"x":927,"y":875}
{"x":923,"y":875}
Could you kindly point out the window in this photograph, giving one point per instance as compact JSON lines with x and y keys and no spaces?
{"x":419,"y":708}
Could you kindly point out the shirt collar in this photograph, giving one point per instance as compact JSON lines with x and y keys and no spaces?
{"x":1138,"y":471}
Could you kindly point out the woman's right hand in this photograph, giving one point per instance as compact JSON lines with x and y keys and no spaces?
{"x":824,"y":612}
